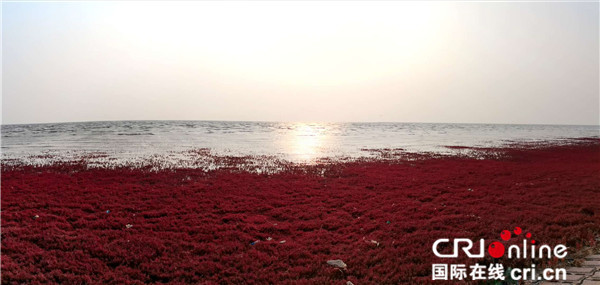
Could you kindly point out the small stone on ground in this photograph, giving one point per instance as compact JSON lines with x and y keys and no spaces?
{"x":338,"y":263}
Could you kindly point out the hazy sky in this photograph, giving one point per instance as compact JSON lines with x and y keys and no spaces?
{"x":472,"y":62}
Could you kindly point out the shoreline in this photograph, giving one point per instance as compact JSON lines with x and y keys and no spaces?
{"x":190,"y":225}
{"x":207,"y":160}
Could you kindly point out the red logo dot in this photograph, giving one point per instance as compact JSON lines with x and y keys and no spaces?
{"x":496,"y":249}
{"x":518,"y":230}
{"x":528,"y":235}
{"x":505,"y":235}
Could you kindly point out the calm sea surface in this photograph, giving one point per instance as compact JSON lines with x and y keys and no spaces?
{"x":299,"y":142}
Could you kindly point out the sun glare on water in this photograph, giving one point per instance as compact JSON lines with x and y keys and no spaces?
{"x":307,"y":141}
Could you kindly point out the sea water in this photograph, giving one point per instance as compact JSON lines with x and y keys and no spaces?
{"x":297,"y":142}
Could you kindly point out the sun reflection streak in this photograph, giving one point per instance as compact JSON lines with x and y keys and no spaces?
{"x":308,"y":141}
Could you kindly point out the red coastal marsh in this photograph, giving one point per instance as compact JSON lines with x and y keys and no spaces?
{"x":67,"y":223}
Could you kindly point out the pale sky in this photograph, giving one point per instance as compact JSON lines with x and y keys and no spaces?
{"x":459,"y":62}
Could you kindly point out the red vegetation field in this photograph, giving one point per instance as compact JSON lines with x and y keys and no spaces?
{"x":190,"y":226}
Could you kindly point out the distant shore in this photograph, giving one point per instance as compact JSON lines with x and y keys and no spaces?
{"x":73,"y":224}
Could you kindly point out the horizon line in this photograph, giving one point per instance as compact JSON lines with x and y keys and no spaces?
{"x":300,"y":122}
